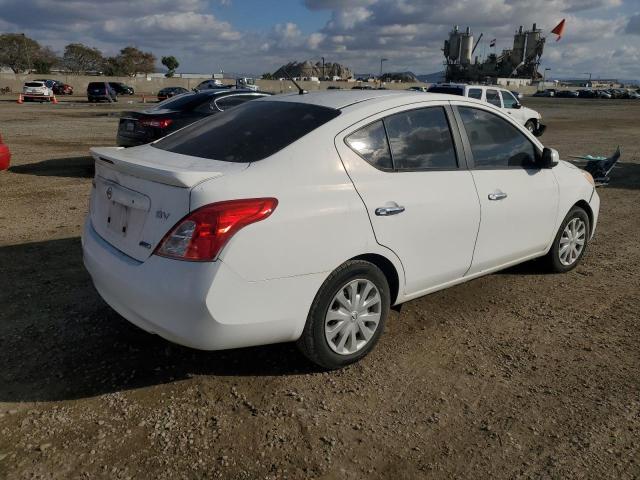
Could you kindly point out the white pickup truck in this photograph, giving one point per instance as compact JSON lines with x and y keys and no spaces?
{"x":499,"y":97}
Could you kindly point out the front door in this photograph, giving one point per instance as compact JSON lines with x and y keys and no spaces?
{"x":421,"y":202}
{"x":518,"y":201}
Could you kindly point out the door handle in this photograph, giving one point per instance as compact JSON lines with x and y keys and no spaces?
{"x":386,"y":211}
{"x":497,"y":195}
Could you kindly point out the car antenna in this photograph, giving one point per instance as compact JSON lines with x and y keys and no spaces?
{"x":301,"y":91}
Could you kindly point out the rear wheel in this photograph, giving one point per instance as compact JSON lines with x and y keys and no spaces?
{"x":570,"y":243}
{"x":347,"y":316}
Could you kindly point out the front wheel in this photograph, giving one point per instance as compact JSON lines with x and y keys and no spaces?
{"x":530,"y":125}
{"x":347,"y":316}
{"x":570,"y":242}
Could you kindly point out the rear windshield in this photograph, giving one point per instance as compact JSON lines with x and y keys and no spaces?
{"x":184,"y":101}
{"x":448,"y":90}
{"x":249,"y":132}
{"x":33,"y":84}
{"x":96,"y":85}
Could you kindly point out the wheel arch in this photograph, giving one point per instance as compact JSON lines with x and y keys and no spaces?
{"x":389,"y":270}
{"x":583,"y":204}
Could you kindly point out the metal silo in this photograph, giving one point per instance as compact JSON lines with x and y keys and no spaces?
{"x":466,"y":46}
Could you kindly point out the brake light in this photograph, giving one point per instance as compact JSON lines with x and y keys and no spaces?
{"x":201,"y":235}
{"x":156,"y":122}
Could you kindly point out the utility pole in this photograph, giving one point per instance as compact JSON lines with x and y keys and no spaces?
{"x":323,"y":75}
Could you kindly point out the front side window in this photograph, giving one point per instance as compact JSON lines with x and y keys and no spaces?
{"x":371,"y":144}
{"x":508,"y":99}
{"x":250,"y":132}
{"x":493,"y":98}
{"x":495,"y":143}
{"x":421,"y":139}
{"x":475,"y":93}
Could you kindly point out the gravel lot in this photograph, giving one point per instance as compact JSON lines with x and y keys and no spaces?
{"x":514,"y":375}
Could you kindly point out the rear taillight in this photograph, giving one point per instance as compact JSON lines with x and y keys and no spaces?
{"x":202,"y":234}
{"x":156,"y":122}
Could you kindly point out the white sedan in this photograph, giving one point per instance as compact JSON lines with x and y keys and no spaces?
{"x":307,"y":217}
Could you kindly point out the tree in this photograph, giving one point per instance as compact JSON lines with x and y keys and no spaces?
{"x":267,"y":76}
{"x":130,"y":61}
{"x":18,"y":52}
{"x":44,"y":60}
{"x":79,"y":58}
{"x":171,"y":63}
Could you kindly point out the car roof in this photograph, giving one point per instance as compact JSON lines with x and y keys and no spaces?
{"x":341,"y":99}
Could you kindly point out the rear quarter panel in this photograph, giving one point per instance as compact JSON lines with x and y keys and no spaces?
{"x":319,"y":223}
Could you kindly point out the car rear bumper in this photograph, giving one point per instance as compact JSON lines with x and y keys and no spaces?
{"x":203,"y":305}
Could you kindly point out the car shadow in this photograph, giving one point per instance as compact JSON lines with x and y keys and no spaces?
{"x":62,"y":342}
{"x":80,"y":167}
{"x":625,"y":175}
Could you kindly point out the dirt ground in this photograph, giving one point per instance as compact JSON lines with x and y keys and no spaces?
{"x":515,"y":375}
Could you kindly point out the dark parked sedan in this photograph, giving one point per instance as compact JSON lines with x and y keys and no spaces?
{"x":137,"y":128}
{"x":121,"y":88}
{"x":566,"y":94}
{"x":169,"y":92}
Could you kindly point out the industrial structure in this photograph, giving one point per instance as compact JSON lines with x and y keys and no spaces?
{"x":522,"y":61}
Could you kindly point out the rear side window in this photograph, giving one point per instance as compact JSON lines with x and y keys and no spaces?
{"x":493,"y":98}
{"x":250,"y":132}
{"x":447,"y":90}
{"x":495,"y":143}
{"x":371,"y":144}
{"x":421,"y":139}
{"x":475,"y":93}
{"x":225,"y":103}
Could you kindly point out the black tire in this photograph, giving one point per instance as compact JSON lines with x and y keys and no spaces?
{"x":313,"y":343}
{"x":552,"y":258}
{"x":530,"y":125}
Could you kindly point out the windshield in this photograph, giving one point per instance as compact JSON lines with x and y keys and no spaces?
{"x":249,"y":132}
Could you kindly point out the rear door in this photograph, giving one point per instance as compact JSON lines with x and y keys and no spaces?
{"x":409,"y":169}
{"x":519,"y":201}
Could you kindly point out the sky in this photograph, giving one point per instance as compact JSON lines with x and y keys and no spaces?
{"x":256,"y":36}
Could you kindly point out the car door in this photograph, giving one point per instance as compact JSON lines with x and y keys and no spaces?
{"x":512,"y":107}
{"x":492,"y":96}
{"x":408,"y":167}
{"x":519,"y":201}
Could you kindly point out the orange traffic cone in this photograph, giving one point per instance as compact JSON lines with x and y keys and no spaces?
{"x":20,"y":99}
{"x":55,"y":100}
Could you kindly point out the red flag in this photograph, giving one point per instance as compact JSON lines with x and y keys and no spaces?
{"x":559,"y":30}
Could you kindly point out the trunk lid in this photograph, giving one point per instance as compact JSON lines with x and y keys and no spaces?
{"x":140,"y":193}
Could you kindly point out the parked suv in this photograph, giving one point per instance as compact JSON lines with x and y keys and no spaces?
{"x":97,"y":91}
{"x":499,"y":97}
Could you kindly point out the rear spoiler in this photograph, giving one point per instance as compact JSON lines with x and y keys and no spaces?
{"x":161,"y":166}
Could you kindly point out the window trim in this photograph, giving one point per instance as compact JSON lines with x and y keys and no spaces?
{"x":222,"y":97}
{"x":456,"y":137}
{"x":467,"y":144}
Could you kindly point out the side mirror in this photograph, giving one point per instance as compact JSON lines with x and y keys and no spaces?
{"x":517,"y":105}
{"x":550,"y":158}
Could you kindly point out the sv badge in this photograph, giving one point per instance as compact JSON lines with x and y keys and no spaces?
{"x":162,"y":215}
